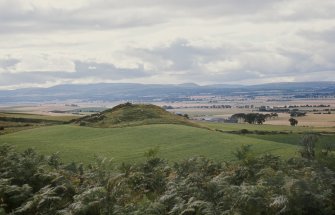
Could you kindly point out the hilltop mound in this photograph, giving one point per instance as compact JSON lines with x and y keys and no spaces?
{"x":130,"y":115}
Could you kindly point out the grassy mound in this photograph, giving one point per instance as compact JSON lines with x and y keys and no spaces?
{"x":131,"y":115}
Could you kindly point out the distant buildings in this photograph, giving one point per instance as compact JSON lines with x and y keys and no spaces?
{"x":222,"y":120}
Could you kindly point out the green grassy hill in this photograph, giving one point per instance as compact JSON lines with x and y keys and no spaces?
{"x":127,"y":131}
{"x":175,"y":142}
{"x":132,"y":115}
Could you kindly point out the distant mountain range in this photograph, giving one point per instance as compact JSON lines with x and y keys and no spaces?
{"x":163,"y":92}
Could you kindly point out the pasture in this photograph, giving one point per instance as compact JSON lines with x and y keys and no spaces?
{"x":128,"y":144}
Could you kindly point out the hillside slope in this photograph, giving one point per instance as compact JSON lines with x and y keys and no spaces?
{"x":128,"y":144}
{"x":131,"y":115}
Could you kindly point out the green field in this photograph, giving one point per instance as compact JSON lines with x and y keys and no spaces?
{"x":61,"y":118}
{"x":175,"y":142}
{"x":264,"y":127}
{"x":127,"y":131}
{"x":14,"y":122}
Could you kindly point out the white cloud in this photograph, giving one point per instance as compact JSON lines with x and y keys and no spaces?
{"x":46,"y":42}
{"x":222,"y":66}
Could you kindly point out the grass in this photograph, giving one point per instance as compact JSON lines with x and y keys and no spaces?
{"x":264,"y":127}
{"x":128,"y":144}
{"x":128,"y":114}
{"x":294,"y":138}
{"x":127,"y":131}
{"x":14,"y":122}
{"x":62,"y":118}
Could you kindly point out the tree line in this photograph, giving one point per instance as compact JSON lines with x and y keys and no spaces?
{"x":254,"y":118}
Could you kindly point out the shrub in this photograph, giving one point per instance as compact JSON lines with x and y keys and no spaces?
{"x":244,"y":131}
{"x":308,"y":142}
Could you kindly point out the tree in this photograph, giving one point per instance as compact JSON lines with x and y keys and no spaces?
{"x":297,"y":113}
{"x":252,"y":118}
{"x":239,"y":116}
{"x":274,"y":115}
{"x":293,"y":121}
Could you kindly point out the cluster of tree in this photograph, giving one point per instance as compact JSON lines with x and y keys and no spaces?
{"x":254,"y":118}
{"x":167,"y":107}
{"x":34,"y":184}
{"x":276,"y":110}
{"x":183,"y":115}
{"x":293,"y":122}
{"x":297,"y":113}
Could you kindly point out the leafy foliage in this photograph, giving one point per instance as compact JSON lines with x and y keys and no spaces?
{"x":252,"y":118}
{"x":308,"y":142}
{"x":293,"y":122}
{"x":35,"y":184}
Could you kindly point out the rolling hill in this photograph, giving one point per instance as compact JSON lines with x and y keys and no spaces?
{"x":132,"y":115}
{"x":127,"y":131}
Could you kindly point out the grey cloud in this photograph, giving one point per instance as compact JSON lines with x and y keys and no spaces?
{"x":105,"y":70}
{"x":14,"y":19}
{"x":182,"y":55}
{"x":186,"y":62}
{"x":260,"y":48}
{"x":313,"y":10}
{"x":325,"y":46}
{"x":325,"y":36}
{"x":7,"y":63}
{"x":196,"y":7}
{"x":296,"y":11}
{"x":83,"y":70}
{"x":316,"y":76}
{"x":105,"y":15}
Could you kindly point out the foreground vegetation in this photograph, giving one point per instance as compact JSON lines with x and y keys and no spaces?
{"x":31,"y":183}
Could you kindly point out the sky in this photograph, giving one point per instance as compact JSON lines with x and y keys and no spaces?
{"x":46,"y":42}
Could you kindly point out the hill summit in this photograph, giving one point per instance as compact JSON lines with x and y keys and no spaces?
{"x":129,"y":114}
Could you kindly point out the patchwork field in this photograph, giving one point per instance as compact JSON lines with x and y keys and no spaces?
{"x":310,"y":120}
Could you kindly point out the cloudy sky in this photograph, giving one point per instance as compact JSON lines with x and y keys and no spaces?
{"x":47,"y":42}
